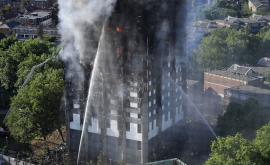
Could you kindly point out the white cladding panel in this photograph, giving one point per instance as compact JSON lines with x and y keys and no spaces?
{"x":113,"y":130}
{"x":113,"y":112}
{"x":94,"y":128}
{"x":134,"y":115}
{"x":179,"y":117}
{"x":133,"y":94}
{"x":152,"y":132}
{"x":76,"y":122}
{"x":133,"y":105}
{"x":166,"y":124}
{"x":133,"y":134}
{"x":76,"y":106}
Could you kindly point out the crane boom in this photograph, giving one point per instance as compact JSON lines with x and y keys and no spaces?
{"x":28,"y":77}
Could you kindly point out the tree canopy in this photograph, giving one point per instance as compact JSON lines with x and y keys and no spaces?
{"x":220,"y":10}
{"x":5,"y":10}
{"x":102,"y":160}
{"x":14,"y":52}
{"x":35,"y":109}
{"x":23,"y":4}
{"x":245,"y":118}
{"x":237,"y":150}
{"x":225,"y":47}
{"x":267,"y":77}
{"x":246,"y":10}
{"x":262,"y":11}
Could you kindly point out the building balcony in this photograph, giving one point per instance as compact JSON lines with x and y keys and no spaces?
{"x":134,"y":89}
{"x":133,"y":110}
{"x":114,"y":107}
{"x":134,"y":99}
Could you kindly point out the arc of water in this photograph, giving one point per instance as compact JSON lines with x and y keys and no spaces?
{"x":88,"y":103}
{"x":195,"y":108}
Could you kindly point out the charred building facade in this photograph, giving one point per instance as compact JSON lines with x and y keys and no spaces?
{"x":135,"y":105}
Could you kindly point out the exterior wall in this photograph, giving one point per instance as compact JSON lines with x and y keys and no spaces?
{"x":142,"y":104}
{"x":25,"y":33}
{"x":254,"y":8}
{"x":219,"y":83}
{"x":240,"y":98}
{"x":6,"y":32}
{"x":39,"y":3}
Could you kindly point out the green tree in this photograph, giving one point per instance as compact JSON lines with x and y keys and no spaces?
{"x":268,"y":78}
{"x":220,"y":10}
{"x":5,"y":150}
{"x":225,"y":47}
{"x":8,"y":8}
{"x":23,"y":4}
{"x":2,"y":36}
{"x":35,"y":109}
{"x":19,"y":155}
{"x":230,"y":150}
{"x":262,"y":144}
{"x":91,"y":162}
{"x":246,"y":10}
{"x":14,"y":52}
{"x":237,"y":150}
{"x":7,"y":42}
{"x":121,"y":162}
{"x":262,"y":11}
{"x":245,"y":118}
{"x":102,"y":160}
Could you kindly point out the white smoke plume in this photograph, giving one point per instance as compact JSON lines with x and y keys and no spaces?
{"x":76,"y":16}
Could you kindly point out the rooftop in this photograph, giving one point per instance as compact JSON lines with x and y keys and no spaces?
{"x":264,"y":61}
{"x":10,"y":25}
{"x":239,"y":69}
{"x":10,"y":15}
{"x":35,"y":15}
{"x":251,"y":91}
{"x":36,"y":27}
{"x":244,"y":73}
{"x":259,"y":3}
{"x":31,"y":8}
{"x":225,"y":73}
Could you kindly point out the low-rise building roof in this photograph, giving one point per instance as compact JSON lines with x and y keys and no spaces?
{"x":239,"y":69}
{"x":30,"y":9}
{"x":259,"y":3}
{"x":244,"y":73}
{"x":10,"y":15}
{"x":264,"y":61}
{"x":36,"y":27}
{"x":233,"y":75}
{"x":10,"y":25}
{"x":251,"y":91}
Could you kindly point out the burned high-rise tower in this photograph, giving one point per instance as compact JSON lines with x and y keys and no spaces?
{"x":134,"y":106}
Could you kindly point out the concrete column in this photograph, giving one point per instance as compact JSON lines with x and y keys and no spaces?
{"x":145,"y":125}
{"x":24,"y":36}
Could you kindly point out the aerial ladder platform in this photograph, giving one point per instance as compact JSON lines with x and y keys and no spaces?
{"x":5,"y":130}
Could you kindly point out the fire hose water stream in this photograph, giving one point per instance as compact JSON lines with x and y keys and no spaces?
{"x":87,"y":113}
{"x":195,"y":108}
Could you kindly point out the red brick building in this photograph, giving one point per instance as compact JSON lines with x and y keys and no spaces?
{"x":236,"y":75}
